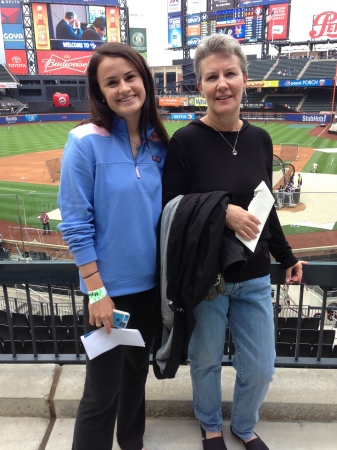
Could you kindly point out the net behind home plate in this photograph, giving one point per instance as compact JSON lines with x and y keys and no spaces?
{"x":54,"y":166}
{"x":289,"y":152}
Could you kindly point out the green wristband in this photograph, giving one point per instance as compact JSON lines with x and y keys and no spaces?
{"x":97,"y":295}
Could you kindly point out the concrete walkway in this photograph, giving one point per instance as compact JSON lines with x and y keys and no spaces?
{"x":38,"y":403}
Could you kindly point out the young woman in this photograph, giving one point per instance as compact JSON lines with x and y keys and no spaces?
{"x":222,"y":152}
{"x":110,"y":202}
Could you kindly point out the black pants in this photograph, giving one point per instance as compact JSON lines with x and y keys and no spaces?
{"x":115,"y":384}
{"x":46,"y":227}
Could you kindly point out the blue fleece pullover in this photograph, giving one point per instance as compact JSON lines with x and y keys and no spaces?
{"x":110,"y":204}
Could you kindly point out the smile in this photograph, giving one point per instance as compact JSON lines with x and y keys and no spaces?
{"x":225,"y":97}
{"x":127,"y":99}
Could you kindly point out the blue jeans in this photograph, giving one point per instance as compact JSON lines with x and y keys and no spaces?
{"x":245,"y":307}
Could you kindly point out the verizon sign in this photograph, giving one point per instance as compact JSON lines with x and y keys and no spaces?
{"x":62,"y":62}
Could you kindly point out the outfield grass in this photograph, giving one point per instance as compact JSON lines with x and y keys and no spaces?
{"x":31,"y":137}
{"x":27,"y":200}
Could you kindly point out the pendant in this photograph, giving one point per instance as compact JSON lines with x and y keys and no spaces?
{"x":234,"y":152}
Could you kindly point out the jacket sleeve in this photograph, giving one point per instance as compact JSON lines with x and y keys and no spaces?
{"x":175,"y":173}
{"x":278,"y":245}
{"x":76,"y":201}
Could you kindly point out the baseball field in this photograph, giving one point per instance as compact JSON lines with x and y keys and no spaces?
{"x":30,"y":156}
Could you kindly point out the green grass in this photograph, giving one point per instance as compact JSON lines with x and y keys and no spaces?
{"x":25,"y":201}
{"x":31,"y":137}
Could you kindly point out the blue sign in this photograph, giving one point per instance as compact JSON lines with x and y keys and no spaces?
{"x":306,"y":83}
{"x":13,"y":36}
{"x":58,"y":44}
{"x":187,"y":116}
{"x":246,"y":3}
{"x":175,"y":32}
{"x":318,"y":118}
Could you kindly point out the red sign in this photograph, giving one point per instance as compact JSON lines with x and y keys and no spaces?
{"x":277,"y":21}
{"x":16,"y":61}
{"x":62,"y":62}
{"x":60,"y":100}
{"x":325,"y":24}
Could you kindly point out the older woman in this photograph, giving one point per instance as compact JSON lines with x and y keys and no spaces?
{"x":222,"y":152}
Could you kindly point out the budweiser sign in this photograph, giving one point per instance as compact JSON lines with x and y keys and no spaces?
{"x":325,"y":24}
{"x":62,"y":63}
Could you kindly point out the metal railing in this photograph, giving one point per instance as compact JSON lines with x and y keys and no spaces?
{"x":55,"y":274}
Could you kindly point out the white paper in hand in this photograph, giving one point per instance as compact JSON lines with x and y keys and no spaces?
{"x":99,"y":341}
{"x":260,"y":206}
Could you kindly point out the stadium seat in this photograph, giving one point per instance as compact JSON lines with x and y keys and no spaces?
{"x":48,"y":346}
{"x":68,"y":320}
{"x":38,"y":320}
{"x":3,"y":317}
{"x":17,"y":346}
{"x":22,"y":333}
{"x":288,"y":335}
{"x":326,"y":350}
{"x":60,"y":332}
{"x":4,"y":332}
{"x":280,"y":322}
{"x":310,"y":322}
{"x":80,"y":331}
{"x":48,"y":320}
{"x":20,"y":319}
{"x":28,"y":347}
{"x":41,"y":333}
{"x":328,"y":337}
{"x":291,"y":322}
{"x":308,"y":336}
{"x":304,"y":350}
{"x":283,"y":348}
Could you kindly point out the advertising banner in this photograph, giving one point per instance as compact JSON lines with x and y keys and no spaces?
{"x":320,"y":118}
{"x":16,"y":61}
{"x":317,"y":20}
{"x":62,"y":62}
{"x":277,"y":21}
{"x":13,"y":36}
{"x":112,"y":20}
{"x":41,"y":27}
{"x":197,"y":101}
{"x":222,"y":4}
{"x":244,"y":3}
{"x":10,"y":3}
{"x":180,"y":116}
{"x":174,"y":32}
{"x":80,"y":2}
{"x":138,"y":40}
{"x":196,"y":6}
{"x":174,"y":7}
{"x":169,"y":101}
{"x":306,"y":83}
{"x":193,"y":25}
{"x":10,"y":15}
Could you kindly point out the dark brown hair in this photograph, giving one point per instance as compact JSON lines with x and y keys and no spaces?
{"x":101,"y":114}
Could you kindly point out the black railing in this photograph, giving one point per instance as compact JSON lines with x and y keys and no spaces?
{"x":63,"y":344}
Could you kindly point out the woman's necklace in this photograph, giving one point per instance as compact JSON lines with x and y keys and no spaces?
{"x":234,"y":151}
{"x":137,"y":144}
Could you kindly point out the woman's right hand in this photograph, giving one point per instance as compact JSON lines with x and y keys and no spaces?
{"x":101,"y":313}
{"x":242,"y":222}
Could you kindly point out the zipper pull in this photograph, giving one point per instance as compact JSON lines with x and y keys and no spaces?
{"x":137,"y":172}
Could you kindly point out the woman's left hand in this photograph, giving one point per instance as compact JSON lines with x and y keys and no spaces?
{"x":294,"y":274}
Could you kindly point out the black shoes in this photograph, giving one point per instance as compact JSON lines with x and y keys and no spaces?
{"x":216,"y":443}
{"x":255,"y":444}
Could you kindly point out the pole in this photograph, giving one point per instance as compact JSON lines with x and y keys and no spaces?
{"x":333,"y":95}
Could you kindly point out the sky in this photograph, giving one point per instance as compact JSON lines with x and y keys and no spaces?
{"x":152,"y":15}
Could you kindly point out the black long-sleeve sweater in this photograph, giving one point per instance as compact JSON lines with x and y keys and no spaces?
{"x":199,"y":160}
